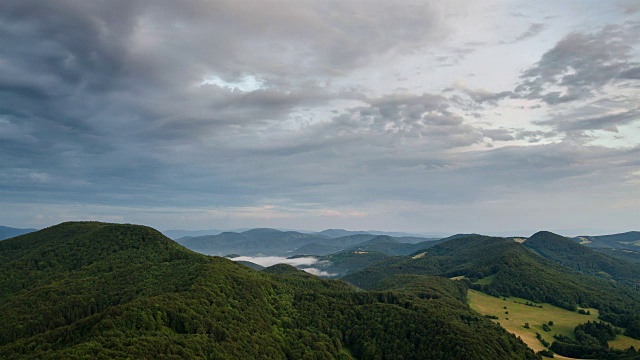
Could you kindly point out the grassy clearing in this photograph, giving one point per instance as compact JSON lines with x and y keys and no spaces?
{"x":486,"y":280}
{"x":564,"y":321}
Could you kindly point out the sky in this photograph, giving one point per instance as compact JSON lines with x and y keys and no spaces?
{"x":420,"y":116}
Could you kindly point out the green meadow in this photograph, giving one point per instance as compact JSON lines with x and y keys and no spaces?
{"x":513,"y":313}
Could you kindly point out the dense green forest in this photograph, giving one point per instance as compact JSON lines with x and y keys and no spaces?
{"x":103,"y":291}
{"x":567,"y":252}
{"x":513,"y":270}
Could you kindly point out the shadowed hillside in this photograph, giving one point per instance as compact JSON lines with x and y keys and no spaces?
{"x":568,"y":253}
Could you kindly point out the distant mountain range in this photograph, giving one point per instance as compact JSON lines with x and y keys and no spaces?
{"x":335,"y":233}
{"x":8,"y":232}
{"x":628,"y":240}
{"x":272,"y":242}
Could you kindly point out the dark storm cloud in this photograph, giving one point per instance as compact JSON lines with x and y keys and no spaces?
{"x":581,"y":64}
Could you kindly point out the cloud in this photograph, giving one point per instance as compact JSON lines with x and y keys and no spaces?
{"x":606,"y":122}
{"x":580,"y":65}
{"x":265,"y":112}
{"x":318,"y":272}
{"x":427,"y":119}
{"x":86,"y":85}
{"x":267,"y":261}
{"x":534,"y":29}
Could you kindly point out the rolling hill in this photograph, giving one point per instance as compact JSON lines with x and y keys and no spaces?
{"x":110,"y":291}
{"x":272,"y":242}
{"x":251,"y":242}
{"x":567,"y":252}
{"x":629,"y":240}
{"x":503,"y":267}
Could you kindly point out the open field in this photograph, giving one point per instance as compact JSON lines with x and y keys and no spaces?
{"x":564,"y":321}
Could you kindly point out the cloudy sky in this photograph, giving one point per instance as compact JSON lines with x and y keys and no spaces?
{"x":408,"y":115}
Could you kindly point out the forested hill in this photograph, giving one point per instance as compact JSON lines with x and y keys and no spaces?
{"x":629,"y":240}
{"x":568,"y":253}
{"x":508,"y":268}
{"x":104,"y":291}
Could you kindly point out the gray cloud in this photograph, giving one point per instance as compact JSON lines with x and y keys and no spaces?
{"x":534,"y":29}
{"x":607,"y":122}
{"x":86,"y":85}
{"x":129,"y":105}
{"x":427,"y":118}
{"x":580,"y":65}
{"x":633,"y":73}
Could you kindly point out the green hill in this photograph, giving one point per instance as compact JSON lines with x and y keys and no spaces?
{"x":104,"y":291}
{"x":622,"y":254}
{"x":384,"y":244}
{"x":629,"y":240}
{"x":507,"y":268}
{"x":568,"y":253}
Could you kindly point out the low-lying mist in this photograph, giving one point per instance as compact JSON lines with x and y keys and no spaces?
{"x":302,"y":263}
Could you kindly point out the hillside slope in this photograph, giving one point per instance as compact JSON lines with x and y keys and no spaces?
{"x":507,"y":268}
{"x":629,"y":240}
{"x":567,"y":252}
{"x":104,"y":291}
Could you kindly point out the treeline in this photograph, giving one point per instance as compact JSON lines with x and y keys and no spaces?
{"x":592,"y":342}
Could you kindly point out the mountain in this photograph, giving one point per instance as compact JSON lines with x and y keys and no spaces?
{"x":567,"y":252}
{"x":335,"y":233}
{"x":177,"y":234}
{"x":113,"y":291}
{"x":273,"y":242}
{"x":214,"y":244}
{"x":508,"y":268}
{"x":389,"y":246}
{"x":8,"y":232}
{"x":317,"y":249}
{"x":628,"y":240}
{"x":252,"y":242}
{"x":622,"y":254}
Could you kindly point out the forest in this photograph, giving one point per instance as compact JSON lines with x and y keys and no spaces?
{"x":96,"y":290}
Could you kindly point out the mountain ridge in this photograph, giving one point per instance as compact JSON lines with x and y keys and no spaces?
{"x":9,"y":232}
